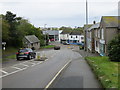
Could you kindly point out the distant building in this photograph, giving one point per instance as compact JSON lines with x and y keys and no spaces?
{"x":54,"y":35}
{"x":75,"y":37}
{"x":31,"y":41}
{"x":64,"y":36}
{"x":72,"y":37}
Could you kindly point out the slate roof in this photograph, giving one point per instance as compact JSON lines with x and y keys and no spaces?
{"x":94,"y":26}
{"x":87,"y":26}
{"x":111,"y":21}
{"x":75,"y":32}
{"x":66,"y":32}
{"x":51,"y":32}
{"x":32,"y":38}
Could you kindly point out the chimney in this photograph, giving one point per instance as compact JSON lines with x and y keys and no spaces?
{"x":94,"y":22}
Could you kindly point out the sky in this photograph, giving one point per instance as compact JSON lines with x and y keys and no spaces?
{"x":57,"y":13}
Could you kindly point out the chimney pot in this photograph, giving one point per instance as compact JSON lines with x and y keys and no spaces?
{"x":94,"y":22}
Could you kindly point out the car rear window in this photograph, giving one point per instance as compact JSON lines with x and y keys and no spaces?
{"x":23,"y":50}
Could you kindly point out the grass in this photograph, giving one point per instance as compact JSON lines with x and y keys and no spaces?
{"x":48,"y":46}
{"x":106,"y":71}
{"x":9,"y":50}
{"x":9,"y":53}
{"x":11,"y":56}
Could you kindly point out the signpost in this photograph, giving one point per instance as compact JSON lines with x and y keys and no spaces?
{"x":3,"y":43}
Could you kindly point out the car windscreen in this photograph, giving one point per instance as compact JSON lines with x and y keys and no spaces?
{"x":23,"y":50}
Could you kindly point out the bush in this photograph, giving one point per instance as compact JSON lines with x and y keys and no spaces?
{"x":114,"y":49}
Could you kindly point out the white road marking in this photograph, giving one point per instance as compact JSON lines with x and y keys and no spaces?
{"x":19,"y":69}
{"x":48,"y":85}
{"x":46,"y":59}
{"x":80,"y":55}
{"x":13,"y":72}
{"x":24,"y":64}
{"x":16,"y":67}
{"x":4,"y":71}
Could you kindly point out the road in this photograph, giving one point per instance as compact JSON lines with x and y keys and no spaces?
{"x":37,"y":74}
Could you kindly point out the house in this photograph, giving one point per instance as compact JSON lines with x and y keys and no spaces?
{"x":108,"y":30}
{"x":96,"y":38}
{"x":93,"y":41}
{"x":75,"y":37}
{"x":86,"y":37}
{"x":31,"y":41}
{"x":64,"y":36}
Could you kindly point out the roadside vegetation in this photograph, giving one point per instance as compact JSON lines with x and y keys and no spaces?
{"x":9,"y":53}
{"x":114,"y":49}
{"x":47,"y":47}
{"x":105,"y":70}
{"x":15,"y":28}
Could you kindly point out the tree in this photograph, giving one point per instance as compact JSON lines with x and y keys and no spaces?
{"x":114,"y":49}
{"x":5,"y":31}
{"x":13,"y":22}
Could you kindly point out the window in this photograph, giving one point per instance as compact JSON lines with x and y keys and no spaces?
{"x":67,"y":35}
{"x":71,"y":36}
{"x":102,"y":33}
{"x":76,"y":37}
{"x":96,"y":44}
{"x":82,"y":37}
{"x":96,"y":33}
{"x":99,"y":33}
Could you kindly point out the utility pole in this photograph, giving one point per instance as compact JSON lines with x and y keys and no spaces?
{"x":45,"y":34}
{"x":86,"y":12}
{"x":86,"y":25}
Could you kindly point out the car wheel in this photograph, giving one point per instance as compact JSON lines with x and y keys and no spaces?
{"x":18,"y":58}
{"x":33,"y":56}
{"x":29,"y":57}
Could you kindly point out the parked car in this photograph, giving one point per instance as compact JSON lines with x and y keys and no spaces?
{"x":25,"y":53}
{"x":52,"y":39}
{"x":66,"y":43}
{"x":57,"y":48}
{"x":81,"y":47}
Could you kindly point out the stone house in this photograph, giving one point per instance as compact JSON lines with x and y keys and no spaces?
{"x":86,"y":37}
{"x":108,"y":30}
{"x":93,"y":42}
{"x":31,"y":41}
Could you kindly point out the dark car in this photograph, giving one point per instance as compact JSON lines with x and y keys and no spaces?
{"x":57,"y":48}
{"x":66,"y":43}
{"x":25,"y":53}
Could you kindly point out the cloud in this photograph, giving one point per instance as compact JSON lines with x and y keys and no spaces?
{"x":59,"y":12}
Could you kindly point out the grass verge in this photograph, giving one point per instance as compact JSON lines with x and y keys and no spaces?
{"x":105,"y":70}
{"x":9,"y":50}
{"x":48,"y":46}
{"x":9,"y":53}
{"x":11,"y":56}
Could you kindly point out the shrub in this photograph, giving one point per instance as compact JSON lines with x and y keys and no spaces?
{"x":114,"y":49}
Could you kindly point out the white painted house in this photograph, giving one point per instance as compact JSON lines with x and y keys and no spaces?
{"x":64,"y":36}
{"x":75,"y":37}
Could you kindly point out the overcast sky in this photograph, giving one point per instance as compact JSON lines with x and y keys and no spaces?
{"x":57,"y":13}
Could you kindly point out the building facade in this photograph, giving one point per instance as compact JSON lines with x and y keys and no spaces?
{"x":31,"y":41}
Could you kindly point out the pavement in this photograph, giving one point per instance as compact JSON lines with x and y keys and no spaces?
{"x":78,"y":74}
